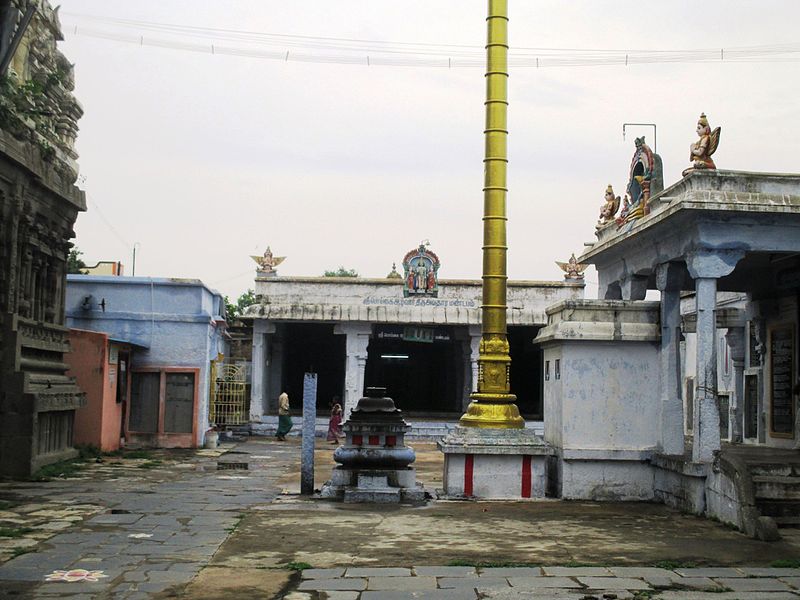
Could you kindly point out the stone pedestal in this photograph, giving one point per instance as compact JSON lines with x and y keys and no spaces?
{"x":374,"y":461}
{"x":494,"y":463}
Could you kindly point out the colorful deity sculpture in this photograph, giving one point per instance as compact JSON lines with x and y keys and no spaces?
{"x":609,"y":208}
{"x":421,"y":267}
{"x":700,"y":151}
{"x":646,"y":178}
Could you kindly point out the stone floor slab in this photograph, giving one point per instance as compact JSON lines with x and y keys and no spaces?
{"x":613,"y":583}
{"x":577,"y":571}
{"x":710,"y":572}
{"x":532,"y":583}
{"x":769,"y":572}
{"x":640,"y":572}
{"x":510,"y":572}
{"x":322,"y":573}
{"x":754,"y":585}
{"x":377,"y":572}
{"x":401,"y":583}
{"x":672,"y":595}
{"x":336,"y":596}
{"x":445,"y":571}
{"x":421,"y":594}
{"x":351,"y":583}
{"x":484,"y":582}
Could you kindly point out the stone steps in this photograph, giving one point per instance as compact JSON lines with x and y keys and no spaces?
{"x":776,"y":487}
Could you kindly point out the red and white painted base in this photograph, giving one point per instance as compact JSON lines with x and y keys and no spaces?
{"x":494,"y":464}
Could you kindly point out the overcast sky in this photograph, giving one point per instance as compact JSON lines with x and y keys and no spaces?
{"x":205,"y":159}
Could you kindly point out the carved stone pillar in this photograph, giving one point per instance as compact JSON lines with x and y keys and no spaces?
{"x":474,"y":351}
{"x":705,"y":267}
{"x":668,"y":281}
{"x":356,"y":344}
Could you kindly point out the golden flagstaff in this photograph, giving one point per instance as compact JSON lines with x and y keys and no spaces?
{"x":493,"y":404}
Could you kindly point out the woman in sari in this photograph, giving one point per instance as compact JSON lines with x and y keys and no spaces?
{"x":284,"y":420}
{"x":335,"y":424}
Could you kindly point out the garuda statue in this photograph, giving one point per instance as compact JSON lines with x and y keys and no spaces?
{"x":268,"y":262}
{"x":572,"y":268}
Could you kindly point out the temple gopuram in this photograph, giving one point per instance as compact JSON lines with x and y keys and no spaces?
{"x":39,"y":204}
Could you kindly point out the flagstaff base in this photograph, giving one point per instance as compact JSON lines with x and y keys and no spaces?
{"x":494,"y":464}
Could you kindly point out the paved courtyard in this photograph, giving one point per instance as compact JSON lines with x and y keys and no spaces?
{"x":230,"y":524}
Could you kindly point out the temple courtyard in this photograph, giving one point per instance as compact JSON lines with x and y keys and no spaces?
{"x":230,"y":523}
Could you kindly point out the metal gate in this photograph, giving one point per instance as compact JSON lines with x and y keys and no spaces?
{"x":229,"y":404}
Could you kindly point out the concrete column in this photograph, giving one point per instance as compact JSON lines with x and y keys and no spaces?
{"x":706,"y":266}
{"x":356,"y":344}
{"x":634,"y":287}
{"x":668,"y":282}
{"x":259,"y":388}
{"x":736,"y":342}
{"x":274,"y":382}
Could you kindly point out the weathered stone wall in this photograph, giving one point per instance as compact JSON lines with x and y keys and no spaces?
{"x":38,"y":208}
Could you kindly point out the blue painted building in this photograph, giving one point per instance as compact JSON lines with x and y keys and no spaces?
{"x":177,"y":329}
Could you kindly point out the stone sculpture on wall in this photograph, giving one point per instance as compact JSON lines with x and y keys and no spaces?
{"x":700,"y":152}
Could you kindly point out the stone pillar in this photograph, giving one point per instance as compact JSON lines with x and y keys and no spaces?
{"x":634,"y":287}
{"x":736,"y":342}
{"x":705,"y":267}
{"x":608,"y":289}
{"x":259,"y":386}
{"x":668,"y":281}
{"x":356,"y":344}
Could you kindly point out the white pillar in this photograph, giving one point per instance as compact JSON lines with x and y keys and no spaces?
{"x":706,"y":266}
{"x":668,"y":282}
{"x":356,"y":344}
{"x":260,"y":369}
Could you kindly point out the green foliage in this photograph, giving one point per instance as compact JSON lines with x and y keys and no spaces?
{"x":150,"y":464}
{"x":785,"y":563}
{"x":7,"y":504}
{"x":298,"y":566}
{"x":671,"y":565}
{"x":61,"y":470}
{"x":234,"y":311}
{"x":488,"y":564}
{"x":341,"y":272}
{"x":19,"y":551}
{"x":75,"y":264}
{"x":14,"y":532}
{"x":88,"y":451}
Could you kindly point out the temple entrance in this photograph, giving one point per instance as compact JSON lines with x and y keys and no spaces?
{"x":526,"y":371}
{"x":312,"y":347}
{"x":422,"y":369}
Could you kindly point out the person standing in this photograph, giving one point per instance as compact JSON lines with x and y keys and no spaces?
{"x":335,"y":423}
{"x":284,"y":419}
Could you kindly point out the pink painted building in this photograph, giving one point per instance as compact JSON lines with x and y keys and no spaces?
{"x":101,"y":366}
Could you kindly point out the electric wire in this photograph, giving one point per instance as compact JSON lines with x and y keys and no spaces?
{"x":352,"y":51}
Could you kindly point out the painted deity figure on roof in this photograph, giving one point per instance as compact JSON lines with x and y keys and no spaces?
{"x":700,"y":151}
{"x":609,"y":208}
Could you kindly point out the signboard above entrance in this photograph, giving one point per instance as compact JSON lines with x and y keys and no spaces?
{"x":413,"y":333}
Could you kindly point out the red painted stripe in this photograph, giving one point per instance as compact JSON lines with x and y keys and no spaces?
{"x":526,"y":476}
{"x":469,"y":461}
